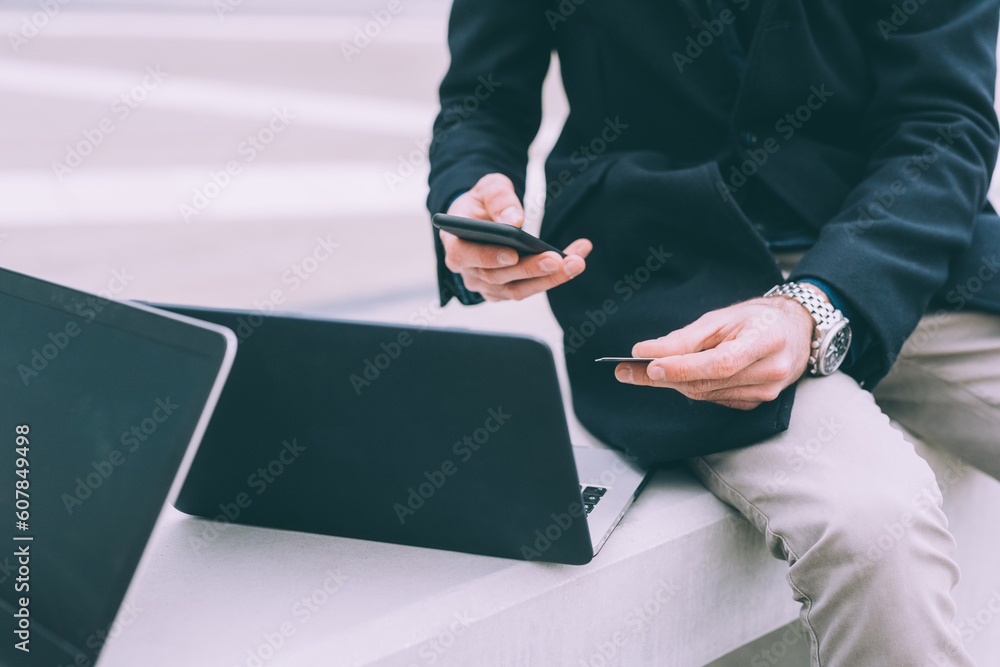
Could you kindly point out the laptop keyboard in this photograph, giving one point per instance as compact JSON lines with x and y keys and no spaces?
{"x":591,"y":496}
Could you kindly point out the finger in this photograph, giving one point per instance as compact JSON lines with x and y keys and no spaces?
{"x":533,"y":266}
{"x":720,"y":362}
{"x":704,"y":333}
{"x":738,"y":405}
{"x":485,"y":290}
{"x":775,"y":368}
{"x":468,"y":206}
{"x":461,"y":254}
{"x":530,"y":266}
{"x":521,"y":289}
{"x":499,"y":199}
{"x":758,"y":393}
{"x":742,"y":397}
{"x":579,"y":247}
{"x":635,"y":373}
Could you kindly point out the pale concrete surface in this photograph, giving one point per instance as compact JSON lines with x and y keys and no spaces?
{"x":661,"y":592}
{"x":114,"y":224}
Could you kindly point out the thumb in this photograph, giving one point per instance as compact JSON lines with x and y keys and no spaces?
{"x":499,"y":199}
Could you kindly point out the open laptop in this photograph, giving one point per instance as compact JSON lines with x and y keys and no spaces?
{"x":103,"y":404}
{"x":429,"y":437}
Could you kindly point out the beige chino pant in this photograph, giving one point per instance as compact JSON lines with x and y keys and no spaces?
{"x":855,"y":511}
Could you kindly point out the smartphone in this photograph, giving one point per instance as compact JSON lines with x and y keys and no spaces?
{"x":493,"y":233}
{"x":627,"y":360}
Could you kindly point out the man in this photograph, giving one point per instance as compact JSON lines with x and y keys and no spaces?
{"x":834,"y":157}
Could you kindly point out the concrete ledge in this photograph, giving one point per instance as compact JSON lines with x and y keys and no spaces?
{"x":665,"y":590}
{"x":683,"y":581}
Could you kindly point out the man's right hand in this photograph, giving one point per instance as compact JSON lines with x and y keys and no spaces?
{"x":496,"y":272}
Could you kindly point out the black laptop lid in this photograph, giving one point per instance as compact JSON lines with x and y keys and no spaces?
{"x":99,"y":403}
{"x":429,"y":437}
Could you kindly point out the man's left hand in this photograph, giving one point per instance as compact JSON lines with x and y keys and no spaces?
{"x":739,"y":357}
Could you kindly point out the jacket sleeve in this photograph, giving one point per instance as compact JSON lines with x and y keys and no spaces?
{"x":490,"y":105}
{"x":932,"y":134}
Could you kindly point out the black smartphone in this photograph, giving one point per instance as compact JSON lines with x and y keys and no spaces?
{"x":626,"y":360}
{"x":493,"y":233}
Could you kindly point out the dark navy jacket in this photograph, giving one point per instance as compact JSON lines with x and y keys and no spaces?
{"x":867,"y":128}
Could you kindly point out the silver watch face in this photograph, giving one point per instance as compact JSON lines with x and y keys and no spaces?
{"x":834,"y":348}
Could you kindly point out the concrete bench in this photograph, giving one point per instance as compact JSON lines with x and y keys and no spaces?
{"x":683,"y":581}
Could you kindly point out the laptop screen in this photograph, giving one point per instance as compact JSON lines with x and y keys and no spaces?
{"x":99,"y":404}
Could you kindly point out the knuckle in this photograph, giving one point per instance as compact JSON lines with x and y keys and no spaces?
{"x":492,"y":185}
{"x":473,"y":283}
{"x":520,"y":291}
{"x":491,"y":293}
{"x":777,"y":372}
{"x":779,"y":340}
{"x":769,"y":394}
{"x":495,"y":180}
{"x":505,"y":292}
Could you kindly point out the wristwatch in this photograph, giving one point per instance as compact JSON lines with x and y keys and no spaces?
{"x":831,"y":336}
